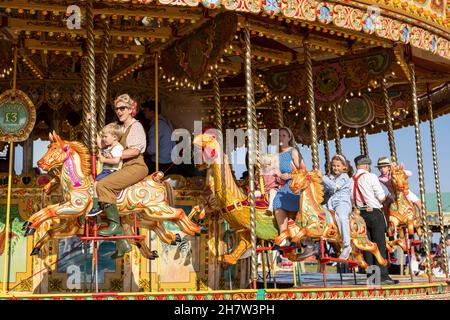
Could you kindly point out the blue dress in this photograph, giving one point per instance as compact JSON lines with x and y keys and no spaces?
{"x":285,"y":198}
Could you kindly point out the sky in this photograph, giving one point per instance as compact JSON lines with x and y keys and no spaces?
{"x":378,"y":146}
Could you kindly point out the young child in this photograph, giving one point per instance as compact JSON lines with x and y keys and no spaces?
{"x":110,"y":155}
{"x":338,"y":185}
{"x":271,"y":176}
{"x":384,"y":166}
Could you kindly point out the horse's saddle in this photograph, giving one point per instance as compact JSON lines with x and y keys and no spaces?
{"x":261,"y":203}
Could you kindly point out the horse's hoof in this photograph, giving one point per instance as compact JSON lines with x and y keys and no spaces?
{"x":178,"y":238}
{"x":155,"y":254}
{"x":29,"y":232}
{"x":203,"y":230}
{"x":25,"y":225}
{"x":35,"y":251}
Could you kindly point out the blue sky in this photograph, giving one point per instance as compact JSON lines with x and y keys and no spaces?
{"x":378,"y":146}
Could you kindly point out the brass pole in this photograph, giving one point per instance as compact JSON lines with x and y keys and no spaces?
{"x":91,"y":75}
{"x":104,"y":67}
{"x":337,"y":137}
{"x":387,"y":110}
{"x":437,"y":182}
{"x":326,"y":149}
{"x":8,"y":197}
{"x":420,"y":170}
{"x":251,"y":149}
{"x":279,"y":112}
{"x":219,"y":127}
{"x":363,"y":143}
{"x":311,"y":104}
{"x":8,"y":217}
{"x":85,"y":101}
{"x":156,"y":114}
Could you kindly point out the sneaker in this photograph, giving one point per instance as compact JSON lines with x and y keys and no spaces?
{"x":94,"y":212}
{"x":345,"y":253}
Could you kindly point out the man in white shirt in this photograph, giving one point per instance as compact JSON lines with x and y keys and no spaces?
{"x":367,"y":197}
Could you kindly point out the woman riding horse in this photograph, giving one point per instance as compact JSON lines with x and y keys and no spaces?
{"x":133,"y":170}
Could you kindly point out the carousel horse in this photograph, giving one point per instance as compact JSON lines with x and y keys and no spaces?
{"x":316,"y":222}
{"x":149,"y":198}
{"x":402,"y":212}
{"x":233,"y":203}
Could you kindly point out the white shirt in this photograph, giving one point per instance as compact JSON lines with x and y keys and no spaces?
{"x":370,"y":188}
{"x":116,"y":152}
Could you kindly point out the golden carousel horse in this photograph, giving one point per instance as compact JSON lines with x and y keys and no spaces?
{"x":150,"y":198}
{"x":233,"y":203}
{"x":402,"y":212}
{"x":317,"y":222}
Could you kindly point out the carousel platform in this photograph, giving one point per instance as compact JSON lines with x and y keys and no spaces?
{"x":312,"y":288}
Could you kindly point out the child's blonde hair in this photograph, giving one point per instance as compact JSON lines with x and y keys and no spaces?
{"x":113,"y":129}
{"x":269,"y":161}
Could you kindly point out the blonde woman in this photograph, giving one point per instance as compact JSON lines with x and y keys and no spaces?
{"x":133,"y":169}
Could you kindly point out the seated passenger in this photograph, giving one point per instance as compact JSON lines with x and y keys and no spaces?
{"x":338,"y":184}
{"x":385,"y":177}
{"x":272,"y":177}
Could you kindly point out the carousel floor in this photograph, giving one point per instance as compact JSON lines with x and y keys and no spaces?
{"x":285,"y":279}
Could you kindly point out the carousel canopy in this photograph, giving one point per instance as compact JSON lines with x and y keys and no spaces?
{"x":355,"y":47}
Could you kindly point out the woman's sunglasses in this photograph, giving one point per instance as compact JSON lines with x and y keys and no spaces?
{"x":122,"y":108}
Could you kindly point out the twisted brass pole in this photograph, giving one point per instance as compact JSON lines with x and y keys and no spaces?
{"x":104,"y":67}
{"x":311,"y":104}
{"x":363,"y":143}
{"x":219,"y":127}
{"x":251,"y":149}
{"x":390,"y":132}
{"x":337,"y":137}
{"x":420,"y":170}
{"x":217,"y":107}
{"x":91,"y":74}
{"x":437,"y":182}
{"x":279,"y":112}
{"x":85,"y":101}
{"x":326,"y":149}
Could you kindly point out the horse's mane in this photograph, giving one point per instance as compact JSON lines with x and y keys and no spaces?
{"x":402,"y":176}
{"x":318,"y":188}
{"x":85,"y":157}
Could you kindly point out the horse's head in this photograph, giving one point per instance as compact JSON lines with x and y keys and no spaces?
{"x":302,"y":179}
{"x":56,"y":154}
{"x":399,"y":178}
{"x":210,"y":149}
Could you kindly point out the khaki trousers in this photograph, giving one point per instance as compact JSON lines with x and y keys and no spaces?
{"x":132,"y":172}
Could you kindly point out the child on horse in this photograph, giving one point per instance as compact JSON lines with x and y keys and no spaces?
{"x":385,"y":177}
{"x":271,"y":176}
{"x":338,"y":185}
{"x":110,"y":155}
{"x":133,"y":170}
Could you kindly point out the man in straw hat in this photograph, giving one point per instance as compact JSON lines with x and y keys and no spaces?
{"x":368,"y":196}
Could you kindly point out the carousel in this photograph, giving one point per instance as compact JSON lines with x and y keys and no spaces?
{"x":327,"y":70}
